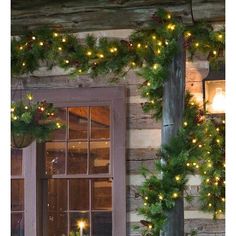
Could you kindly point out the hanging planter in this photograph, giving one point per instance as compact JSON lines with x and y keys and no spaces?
{"x":32,"y":121}
{"x":21,"y":140}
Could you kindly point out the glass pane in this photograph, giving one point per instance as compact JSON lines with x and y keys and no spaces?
{"x":57,"y":224}
{"x":78,"y":122}
{"x":57,"y":195}
{"x":55,"y":158}
{"x":99,"y":157}
{"x":102,"y":223}
{"x":77,"y":157}
{"x":101,"y":194}
{"x":79,"y":224}
{"x":16,"y":161}
{"x":17,"y":195}
{"x":215,"y":96}
{"x":60,"y":134}
{"x":100,"y":122}
{"x":17,"y":224}
{"x":79,"y":194}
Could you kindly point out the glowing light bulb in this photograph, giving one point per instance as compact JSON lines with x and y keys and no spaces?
{"x":218,"y":101}
{"x":148,"y":84}
{"x":145,"y":204}
{"x":223,"y":199}
{"x":146,"y":198}
{"x":188,"y":34}
{"x":33,"y":37}
{"x":194,"y":140}
{"x":214,"y":52}
{"x":175,"y":195}
{"x":209,"y":194}
{"x":196,"y":45}
{"x":138,"y":45}
{"x":89,"y":53}
{"x":160,"y":197}
{"x":188,"y":164}
{"x":63,"y":40}
{"x":55,"y":34}
{"x":210,"y":205}
{"x":101,"y":55}
{"x":59,"y":48}
{"x":177,"y":178}
{"x":67,"y":61}
{"x":185,"y":123}
{"x":154,"y":37}
{"x":155,"y":66}
{"x":41,"y":43}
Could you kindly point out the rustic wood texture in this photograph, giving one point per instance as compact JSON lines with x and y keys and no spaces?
{"x":77,"y":16}
{"x":173,"y":107}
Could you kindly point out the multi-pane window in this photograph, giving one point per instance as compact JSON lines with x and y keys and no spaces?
{"x":74,"y":184}
{"x":17,"y":193}
{"x":78,"y":173}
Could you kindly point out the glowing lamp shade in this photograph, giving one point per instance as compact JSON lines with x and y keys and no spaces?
{"x":218,"y":101}
{"x":214,"y":92}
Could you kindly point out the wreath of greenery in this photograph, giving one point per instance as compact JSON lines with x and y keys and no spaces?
{"x":150,"y":50}
{"x":30,"y":121}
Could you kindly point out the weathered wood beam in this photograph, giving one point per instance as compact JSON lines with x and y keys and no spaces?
{"x":173,"y":108}
{"x":83,"y":15}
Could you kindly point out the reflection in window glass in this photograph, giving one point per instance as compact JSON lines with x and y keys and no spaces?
{"x":99,"y":160}
{"x":77,"y":157}
{"x":100,"y":122}
{"x":55,"y":158}
{"x":17,"y":195}
{"x":16,"y":161}
{"x":60,"y":134}
{"x":76,"y":220}
{"x":57,"y":224}
{"x":101,"y":194}
{"x":78,"y":122}
{"x":17,"y":224}
{"x":102,"y":223}
{"x":57,"y":196}
{"x":79,"y":194}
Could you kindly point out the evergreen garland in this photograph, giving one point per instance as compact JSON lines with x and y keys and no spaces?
{"x":198,"y":148}
{"x":199,"y":145}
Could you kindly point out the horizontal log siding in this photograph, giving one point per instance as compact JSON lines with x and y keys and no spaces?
{"x":143,"y":138}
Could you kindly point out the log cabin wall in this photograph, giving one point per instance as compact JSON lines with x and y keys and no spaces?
{"x":143,"y":133}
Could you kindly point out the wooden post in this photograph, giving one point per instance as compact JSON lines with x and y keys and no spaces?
{"x":173,"y":107}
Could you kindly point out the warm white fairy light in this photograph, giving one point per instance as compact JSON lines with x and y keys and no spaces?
{"x":194,"y":140}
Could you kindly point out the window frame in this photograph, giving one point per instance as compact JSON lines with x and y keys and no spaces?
{"x":115,"y":97}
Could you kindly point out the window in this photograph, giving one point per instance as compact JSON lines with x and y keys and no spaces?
{"x":80,"y":172}
{"x":17,"y":193}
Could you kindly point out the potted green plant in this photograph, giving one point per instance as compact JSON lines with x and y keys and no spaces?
{"x":32,"y":121}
